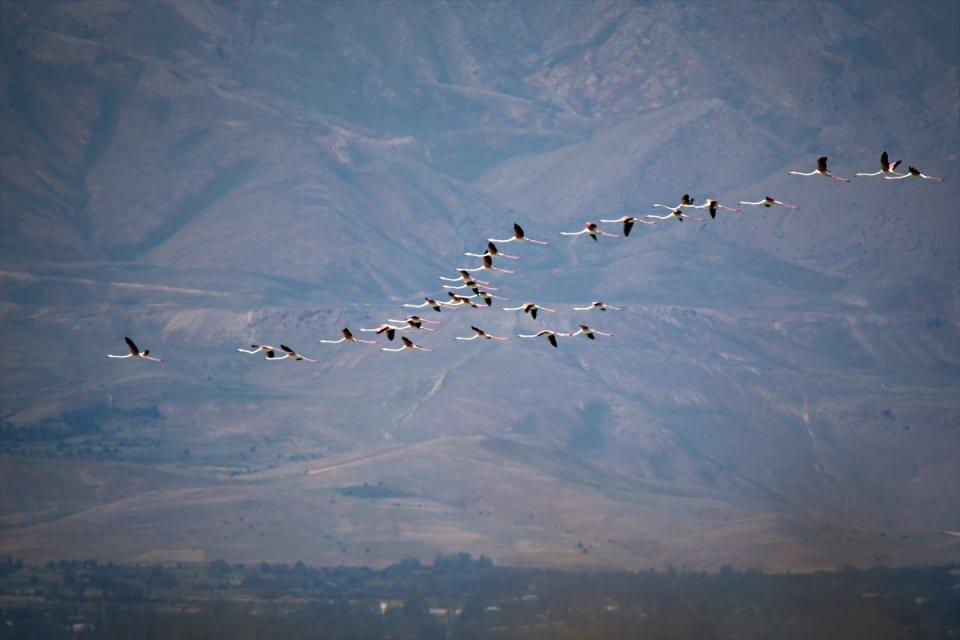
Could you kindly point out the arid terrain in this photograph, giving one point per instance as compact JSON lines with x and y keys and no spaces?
{"x":781,"y":391}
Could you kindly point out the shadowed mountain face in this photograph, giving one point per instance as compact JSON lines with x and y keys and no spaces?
{"x":781,"y":390}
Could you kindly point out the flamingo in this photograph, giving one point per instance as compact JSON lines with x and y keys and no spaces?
{"x":407,"y":344}
{"x":487,"y":297}
{"x":492,"y":251}
{"x":769,"y":202}
{"x":686,"y":202}
{"x":518,"y":236}
{"x":430,"y":302}
{"x":486,"y":266}
{"x":913,"y":172}
{"x":388,"y":329}
{"x":470,"y":284}
{"x":480,"y":333}
{"x":293,"y":354}
{"x":348,"y":337}
{"x":413,"y":323}
{"x":269,"y":353}
{"x":549,"y":335}
{"x":466,"y":278}
{"x":711,"y":205}
{"x":598,"y":306}
{"x":587,"y":331}
{"x":459,"y":301}
{"x":675,"y":213}
{"x":821,"y":170}
{"x":887,"y":168}
{"x":531,"y":308}
{"x":136,"y":353}
{"x":628,"y":222}
{"x":591,"y":229}
{"x":417,"y":319}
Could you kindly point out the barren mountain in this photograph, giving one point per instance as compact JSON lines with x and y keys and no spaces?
{"x":781,"y":390}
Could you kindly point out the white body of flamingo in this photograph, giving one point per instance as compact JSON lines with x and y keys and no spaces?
{"x":135,"y":352}
{"x":530,"y":307}
{"x":628,"y":222}
{"x":599,"y":306}
{"x":480,"y":333}
{"x":466,"y":278}
{"x":486,"y":265}
{"x":591,"y":229}
{"x":913,"y":172}
{"x":269,"y":353}
{"x":590,"y":333}
{"x":460,"y":301}
{"x":348,"y":337}
{"x":821,"y":171}
{"x":711,"y":205}
{"x":293,"y":354}
{"x":676,"y":214}
{"x":769,"y":202}
{"x":551,"y":336}
{"x":389,"y":329}
{"x":518,"y":236}
{"x":887,"y":169}
{"x":429,"y":302}
{"x":412,"y":323}
{"x":686,"y":202}
{"x":407,"y":344}
{"x":492,"y":251}
{"x":487,"y":297}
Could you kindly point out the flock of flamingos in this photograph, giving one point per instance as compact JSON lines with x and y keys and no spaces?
{"x":481,"y":289}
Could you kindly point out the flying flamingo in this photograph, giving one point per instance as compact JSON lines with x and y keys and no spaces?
{"x":487,"y":297}
{"x":466,"y":278}
{"x":293,"y":354}
{"x":416,"y":319}
{"x":591,"y":229}
{"x":913,"y":172}
{"x":769,"y":202}
{"x":686,"y":202}
{"x":136,"y":353}
{"x":531,"y":308}
{"x":407,"y":344}
{"x":460,"y":301}
{"x":675,"y":213}
{"x":518,"y":236}
{"x":348,"y":337}
{"x":479,"y":333}
{"x":887,"y":168}
{"x":821,"y":170}
{"x":587,"y":331}
{"x":492,"y":251}
{"x":388,"y":329}
{"x":628,"y":222}
{"x":269,"y":353}
{"x":413,"y":323}
{"x":549,"y":335}
{"x":598,"y":306}
{"x":712,"y":205}
{"x":486,"y":266}
{"x":430,"y":302}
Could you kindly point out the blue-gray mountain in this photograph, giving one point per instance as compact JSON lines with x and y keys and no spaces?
{"x":781,"y":390}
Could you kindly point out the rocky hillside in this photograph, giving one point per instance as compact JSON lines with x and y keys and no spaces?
{"x":782,"y":384}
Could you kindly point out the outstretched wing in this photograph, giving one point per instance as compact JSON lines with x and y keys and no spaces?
{"x":133,"y":347}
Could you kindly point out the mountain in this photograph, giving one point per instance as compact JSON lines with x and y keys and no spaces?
{"x":782,"y":387}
